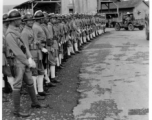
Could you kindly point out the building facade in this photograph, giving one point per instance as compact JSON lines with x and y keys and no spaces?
{"x":60,"y":6}
{"x":79,"y":6}
{"x":138,"y":7}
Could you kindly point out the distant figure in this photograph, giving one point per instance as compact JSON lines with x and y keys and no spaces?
{"x":147,"y":26}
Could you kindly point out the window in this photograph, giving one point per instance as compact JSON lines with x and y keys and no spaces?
{"x":70,"y":10}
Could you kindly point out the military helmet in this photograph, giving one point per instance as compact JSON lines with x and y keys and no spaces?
{"x":5,"y":16}
{"x":27,"y":17}
{"x":51,"y":15}
{"x":14,"y":14}
{"x":38,"y":14}
{"x":46,"y":14}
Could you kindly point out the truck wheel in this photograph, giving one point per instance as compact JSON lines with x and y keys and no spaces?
{"x":117,"y":27}
{"x":141,"y":28}
{"x":131,"y":27}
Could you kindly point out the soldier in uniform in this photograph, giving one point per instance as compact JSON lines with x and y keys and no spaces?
{"x":46,"y":56}
{"x":27,"y":36}
{"x":53,"y":47}
{"x":22,"y":61}
{"x":56,"y":41}
{"x":75,"y":32}
{"x":40,"y":40}
{"x":10,"y":78}
{"x":5,"y":62}
{"x":61,"y":40}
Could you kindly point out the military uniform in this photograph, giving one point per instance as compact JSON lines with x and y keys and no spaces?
{"x":22,"y":62}
{"x":41,"y":39}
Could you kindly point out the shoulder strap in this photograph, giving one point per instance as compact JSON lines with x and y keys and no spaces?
{"x":14,"y":38}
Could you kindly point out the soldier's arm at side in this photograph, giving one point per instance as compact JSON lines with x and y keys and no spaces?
{"x":50,"y":31}
{"x":35,"y":30}
{"x":24,"y":37}
{"x":16,"y":50}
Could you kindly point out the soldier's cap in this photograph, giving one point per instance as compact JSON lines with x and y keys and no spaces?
{"x":5,"y":17}
{"x":14,"y":14}
{"x":38,"y":15}
{"x":28,"y":16}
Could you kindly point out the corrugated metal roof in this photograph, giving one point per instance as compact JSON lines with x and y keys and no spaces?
{"x":24,"y":3}
{"x":27,"y":3}
{"x":124,"y":4}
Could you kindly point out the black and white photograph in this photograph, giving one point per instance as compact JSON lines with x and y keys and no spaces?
{"x":75,"y":60}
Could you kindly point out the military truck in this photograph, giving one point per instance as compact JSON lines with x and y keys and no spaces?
{"x":129,"y":22}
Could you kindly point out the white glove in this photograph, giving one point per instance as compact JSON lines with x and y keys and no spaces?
{"x":44,"y":50}
{"x":32,"y":63}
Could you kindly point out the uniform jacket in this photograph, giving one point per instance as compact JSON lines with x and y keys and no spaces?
{"x":4,"y":51}
{"x":39,"y":35}
{"x":46,"y":31}
{"x":13,"y":39}
{"x":27,"y":36}
{"x":50,"y":27}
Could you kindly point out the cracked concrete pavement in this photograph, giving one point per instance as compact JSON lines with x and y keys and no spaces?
{"x":114,"y":78}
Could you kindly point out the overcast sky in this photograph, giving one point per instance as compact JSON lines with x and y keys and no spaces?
{"x":16,"y":2}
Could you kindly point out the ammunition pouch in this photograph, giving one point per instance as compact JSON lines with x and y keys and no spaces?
{"x":23,"y":48}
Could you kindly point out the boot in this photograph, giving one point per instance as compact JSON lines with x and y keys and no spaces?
{"x":55,"y":80}
{"x":16,"y":100}
{"x":35,"y":103}
{"x":50,"y":84}
{"x":59,"y":67}
{"x":43,"y":93}
{"x":40,"y":106}
{"x":40,"y":97}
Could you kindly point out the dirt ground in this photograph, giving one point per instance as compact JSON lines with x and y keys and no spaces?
{"x":62,"y":100}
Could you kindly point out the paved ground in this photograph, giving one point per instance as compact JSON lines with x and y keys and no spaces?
{"x":114,"y":78}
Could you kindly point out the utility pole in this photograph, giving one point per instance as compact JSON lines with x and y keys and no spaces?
{"x":73,"y":7}
{"x":115,"y":2}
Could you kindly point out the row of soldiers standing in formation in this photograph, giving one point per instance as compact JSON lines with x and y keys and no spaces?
{"x":35,"y":46}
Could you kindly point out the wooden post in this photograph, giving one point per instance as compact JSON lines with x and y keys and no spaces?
{"x":32,"y":8}
{"x":117,"y":8}
{"x":101,"y":8}
{"x":108,"y":8}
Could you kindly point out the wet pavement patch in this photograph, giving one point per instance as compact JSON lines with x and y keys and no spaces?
{"x":138,"y":111}
{"x":102,"y":109}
